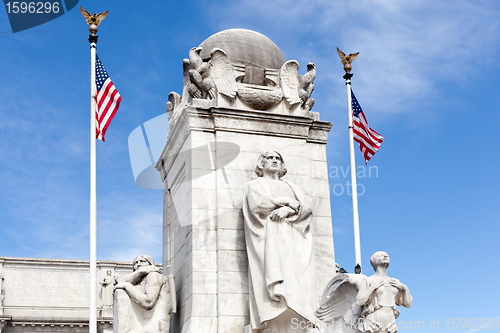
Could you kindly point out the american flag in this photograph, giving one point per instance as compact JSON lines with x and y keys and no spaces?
{"x":108,"y":99}
{"x":369,"y":140}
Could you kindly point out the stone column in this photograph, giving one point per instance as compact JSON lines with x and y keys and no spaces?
{"x":210,"y":154}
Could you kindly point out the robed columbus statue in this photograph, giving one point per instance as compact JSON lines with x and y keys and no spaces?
{"x":279,"y":244}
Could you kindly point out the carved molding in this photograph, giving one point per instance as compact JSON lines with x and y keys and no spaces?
{"x":212,"y":119}
{"x":49,"y":325}
{"x":258,"y":126}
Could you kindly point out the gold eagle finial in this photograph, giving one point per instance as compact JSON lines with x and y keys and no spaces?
{"x":93,"y":20}
{"x":346,"y":60}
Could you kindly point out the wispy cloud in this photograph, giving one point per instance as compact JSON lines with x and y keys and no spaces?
{"x":407,"y":48}
{"x":133,"y":226}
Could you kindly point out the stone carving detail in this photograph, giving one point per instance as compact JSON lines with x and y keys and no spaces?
{"x":298,"y":88}
{"x":260,"y":98}
{"x":145,"y":300}
{"x":320,"y":135}
{"x":248,"y":81}
{"x":201,"y":84}
{"x":279,"y":243}
{"x":107,"y":284}
{"x":222,"y":73}
{"x":356,"y":303}
{"x":257,"y":126}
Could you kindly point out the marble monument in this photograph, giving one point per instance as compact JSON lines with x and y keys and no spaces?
{"x":240,"y":98}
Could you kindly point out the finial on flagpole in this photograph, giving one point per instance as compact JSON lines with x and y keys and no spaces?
{"x":347,"y":60}
{"x":93,"y":21}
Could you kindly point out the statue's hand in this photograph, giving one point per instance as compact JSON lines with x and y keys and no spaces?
{"x":292,"y":203}
{"x":149,"y":269}
{"x":377,"y":284}
{"x":396,"y":283}
{"x":281,"y":213}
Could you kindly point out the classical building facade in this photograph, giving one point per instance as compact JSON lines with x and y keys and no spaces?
{"x":52,"y":295}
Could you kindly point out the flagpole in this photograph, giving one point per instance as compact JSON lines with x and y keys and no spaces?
{"x":357,"y":242}
{"x":93,"y":207}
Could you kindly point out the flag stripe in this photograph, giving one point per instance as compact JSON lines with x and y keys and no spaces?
{"x":365,"y":142}
{"x":107,"y":103}
{"x":109,"y":116}
{"x":108,"y":100}
{"x":362,"y":122}
{"x":368,"y":139}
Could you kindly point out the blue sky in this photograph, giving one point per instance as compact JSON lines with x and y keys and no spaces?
{"x":427,"y":78}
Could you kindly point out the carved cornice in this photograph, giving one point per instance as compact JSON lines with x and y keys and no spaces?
{"x":318,"y":132}
{"x":255,"y":124}
{"x":7,"y":262}
{"x":106,"y":323}
{"x":213,"y":119}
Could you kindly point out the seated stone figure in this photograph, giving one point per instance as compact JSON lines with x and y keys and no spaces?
{"x":145,"y":300}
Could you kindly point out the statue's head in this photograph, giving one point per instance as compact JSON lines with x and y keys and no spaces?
{"x":269,"y":160}
{"x":108,"y":272}
{"x":143,"y":260}
{"x":379,"y":258}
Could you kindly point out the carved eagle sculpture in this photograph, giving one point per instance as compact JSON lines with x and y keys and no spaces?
{"x":201,"y":84}
{"x":93,"y":19}
{"x":306,"y":86}
{"x":347,"y":60}
{"x":338,"y":305}
{"x":298,"y":88}
{"x":175,"y":101}
{"x":222,"y":73}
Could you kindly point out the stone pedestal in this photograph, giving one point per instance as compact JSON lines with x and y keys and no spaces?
{"x":210,"y":154}
{"x":240,"y":98}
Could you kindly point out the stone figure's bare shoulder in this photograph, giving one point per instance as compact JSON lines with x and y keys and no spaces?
{"x":154,"y":278}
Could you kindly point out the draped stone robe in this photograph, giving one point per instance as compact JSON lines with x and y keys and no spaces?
{"x":280,"y":253}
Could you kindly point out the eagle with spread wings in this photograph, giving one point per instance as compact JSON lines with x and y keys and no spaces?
{"x":93,"y":19}
{"x":347,"y":60}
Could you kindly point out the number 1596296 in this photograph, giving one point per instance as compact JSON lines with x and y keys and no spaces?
{"x":472,"y":323}
{"x":32,"y":7}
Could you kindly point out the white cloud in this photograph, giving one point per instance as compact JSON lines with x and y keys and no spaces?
{"x":131,"y":226}
{"x":407,"y":48}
